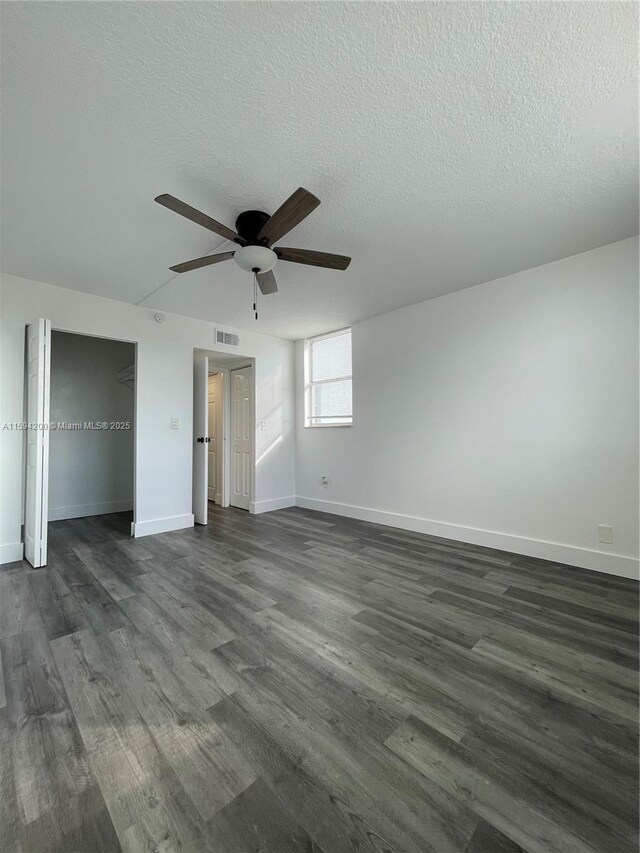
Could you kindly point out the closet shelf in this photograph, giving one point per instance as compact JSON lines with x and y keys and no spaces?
{"x":127,"y":376}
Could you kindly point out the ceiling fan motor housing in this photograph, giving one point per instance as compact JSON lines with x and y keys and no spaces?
{"x":249,"y":224}
{"x":256,"y":256}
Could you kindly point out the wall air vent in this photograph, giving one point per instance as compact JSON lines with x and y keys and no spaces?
{"x":227,"y":338}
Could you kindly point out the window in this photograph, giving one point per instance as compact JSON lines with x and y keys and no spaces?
{"x":328,"y":380}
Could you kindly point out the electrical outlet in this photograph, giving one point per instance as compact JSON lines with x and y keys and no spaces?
{"x":605,"y":534}
{"x":325,"y":481}
{"x":175,"y":423}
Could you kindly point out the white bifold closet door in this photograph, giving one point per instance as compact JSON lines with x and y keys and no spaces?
{"x":37,"y":475}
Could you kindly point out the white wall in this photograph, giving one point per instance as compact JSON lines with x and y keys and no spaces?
{"x":90,"y":471}
{"x":505,"y":414}
{"x":164,"y":390}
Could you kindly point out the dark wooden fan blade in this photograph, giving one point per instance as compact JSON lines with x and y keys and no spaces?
{"x":199,"y":218}
{"x":314,"y":259}
{"x":267,"y":282}
{"x":298,"y":206}
{"x":202,"y":262}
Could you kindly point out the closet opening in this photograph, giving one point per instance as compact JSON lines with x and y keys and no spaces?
{"x":91,"y":429}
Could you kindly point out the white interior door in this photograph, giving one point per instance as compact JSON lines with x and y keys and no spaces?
{"x":241,"y":435}
{"x":212,"y":448}
{"x":37,"y":476}
{"x":200,"y":435}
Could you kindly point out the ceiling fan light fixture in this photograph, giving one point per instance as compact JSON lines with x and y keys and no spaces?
{"x":255,"y":258}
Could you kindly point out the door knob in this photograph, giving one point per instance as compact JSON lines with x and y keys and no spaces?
{"x":207,"y":440}
{"x":200,"y":440}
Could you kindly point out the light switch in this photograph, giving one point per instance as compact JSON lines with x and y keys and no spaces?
{"x":175,"y":423}
{"x":605,"y":534}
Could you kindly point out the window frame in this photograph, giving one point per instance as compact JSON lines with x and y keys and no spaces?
{"x":309,"y":383}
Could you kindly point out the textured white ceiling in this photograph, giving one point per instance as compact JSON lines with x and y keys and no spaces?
{"x":450,"y":143}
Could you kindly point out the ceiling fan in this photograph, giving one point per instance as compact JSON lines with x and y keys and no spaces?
{"x":256,"y":232}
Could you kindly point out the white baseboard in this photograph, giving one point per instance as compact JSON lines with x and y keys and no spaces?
{"x":82,"y":510}
{"x":161,"y":525}
{"x":585,"y":558}
{"x":256,"y":507}
{"x":11,"y":552}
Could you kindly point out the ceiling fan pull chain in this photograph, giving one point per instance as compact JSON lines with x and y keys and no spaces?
{"x":255,"y":295}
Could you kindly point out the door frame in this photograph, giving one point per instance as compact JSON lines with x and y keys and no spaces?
{"x":223,"y":439}
{"x":199,"y":453}
{"x":226,"y":370}
{"x":219,"y":447}
{"x":221,"y":434}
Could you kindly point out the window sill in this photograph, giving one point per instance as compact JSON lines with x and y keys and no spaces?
{"x":327,"y":426}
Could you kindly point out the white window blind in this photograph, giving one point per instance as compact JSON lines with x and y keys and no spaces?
{"x":328,"y":380}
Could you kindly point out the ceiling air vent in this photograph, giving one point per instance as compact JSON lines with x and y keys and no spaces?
{"x":227,"y":338}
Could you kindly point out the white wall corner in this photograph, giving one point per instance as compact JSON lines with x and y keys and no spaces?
{"x":584,"y":558}
{"x":11,"y":552}
{"x":161,"y":525}
{"x":256,"y":507}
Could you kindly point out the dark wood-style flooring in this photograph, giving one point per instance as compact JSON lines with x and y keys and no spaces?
{"x":297,"y":682}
